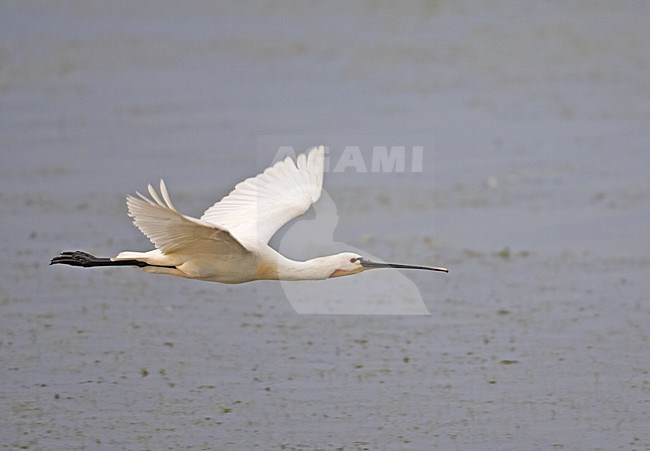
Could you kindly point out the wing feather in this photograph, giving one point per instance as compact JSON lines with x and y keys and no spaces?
{"x":260,"y":205}
{"x":173,"y":232}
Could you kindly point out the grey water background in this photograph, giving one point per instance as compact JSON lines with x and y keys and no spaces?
{"x":534,"y":117}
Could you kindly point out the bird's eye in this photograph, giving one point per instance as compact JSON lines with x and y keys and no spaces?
{"x":354,"y":259}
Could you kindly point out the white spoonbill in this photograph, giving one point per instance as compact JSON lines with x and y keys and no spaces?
{"x":229,"y":243}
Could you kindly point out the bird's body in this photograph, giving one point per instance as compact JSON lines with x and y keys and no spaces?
{"x":229,"y":243}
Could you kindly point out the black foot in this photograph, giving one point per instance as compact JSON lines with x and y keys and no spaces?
{"x":85,"y":260}
{"x":78,"y":258}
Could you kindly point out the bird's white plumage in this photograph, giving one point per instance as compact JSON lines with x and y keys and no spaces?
{"x":252,"y":212}
{"x":229,"y":243}
{"x":173,"y":232}
{"x":260,"y":205}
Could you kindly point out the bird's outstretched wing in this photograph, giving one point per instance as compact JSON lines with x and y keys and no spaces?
{"x":173,"y":232}
{"x":259,"y":206}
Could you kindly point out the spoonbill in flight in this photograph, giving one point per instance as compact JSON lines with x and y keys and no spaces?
{"x":229,"y":243}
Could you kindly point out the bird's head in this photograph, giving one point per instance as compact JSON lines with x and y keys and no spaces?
{"x":346,"y":264}
{"x":349,"y":263}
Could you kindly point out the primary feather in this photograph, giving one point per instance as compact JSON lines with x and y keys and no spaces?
{"x":260,"y":205}
{"x":173,"y":232}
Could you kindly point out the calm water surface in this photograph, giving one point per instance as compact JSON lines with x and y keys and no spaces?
{"x":534,"y":191}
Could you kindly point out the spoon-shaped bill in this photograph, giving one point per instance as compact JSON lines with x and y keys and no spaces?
{"x":374,"y":265}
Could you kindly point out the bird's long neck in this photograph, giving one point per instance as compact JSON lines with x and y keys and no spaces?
{"x":319,"y":268}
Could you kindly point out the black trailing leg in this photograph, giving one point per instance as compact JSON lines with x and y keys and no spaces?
{"x":85,"y":260}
